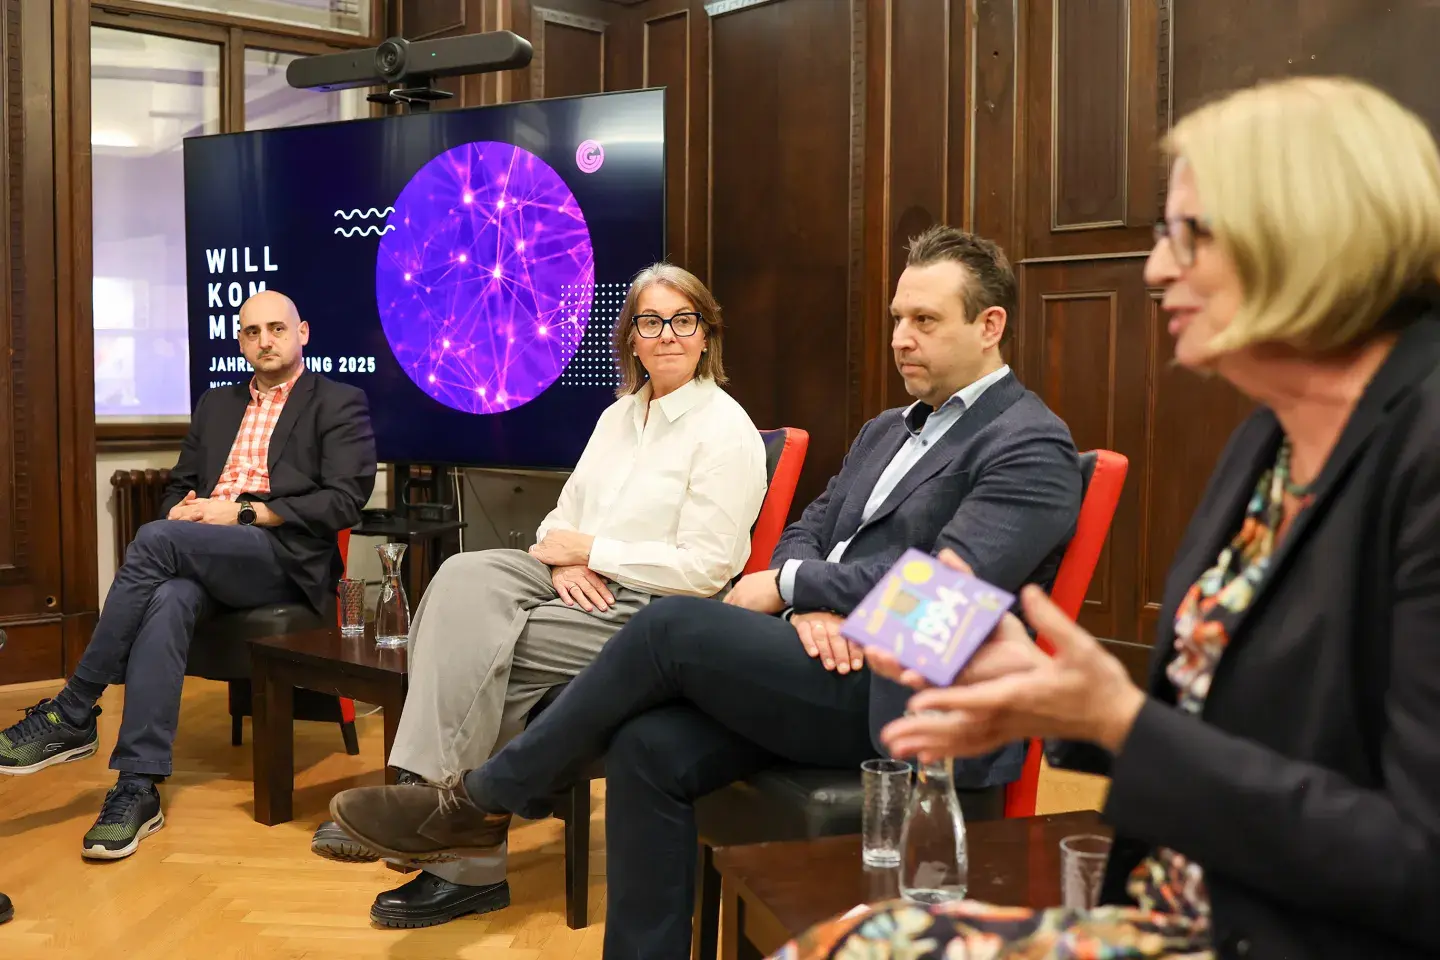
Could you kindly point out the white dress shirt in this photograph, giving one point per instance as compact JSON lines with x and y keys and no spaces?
{"x":669,"y":498}
{"x":926,"y":427}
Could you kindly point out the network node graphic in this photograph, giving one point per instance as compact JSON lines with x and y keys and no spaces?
{"x":485,"y":284}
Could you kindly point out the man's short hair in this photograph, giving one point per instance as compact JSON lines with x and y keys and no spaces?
{"x":992,"y":281}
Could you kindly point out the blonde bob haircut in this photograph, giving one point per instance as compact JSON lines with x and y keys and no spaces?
{"x":1325,"y":193}
{"x":711,"y":366}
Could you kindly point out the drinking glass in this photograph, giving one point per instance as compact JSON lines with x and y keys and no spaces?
{"x":1082,"y":867}
{"x":352,"y":607}
{"x":887,"y":794}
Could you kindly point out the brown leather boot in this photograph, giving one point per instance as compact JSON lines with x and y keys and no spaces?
{"x":333,"y":843}
{"x":421,"y":824}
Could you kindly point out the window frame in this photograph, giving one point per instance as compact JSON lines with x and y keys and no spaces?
{"x":329,"y":38}
{"x":233,"y":35}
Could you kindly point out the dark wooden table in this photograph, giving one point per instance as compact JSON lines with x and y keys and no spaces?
{"x":319,"y":660}
{"x":774,"y":891}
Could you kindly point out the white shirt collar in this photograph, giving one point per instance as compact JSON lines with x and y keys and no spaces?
{"x":678,"y":402}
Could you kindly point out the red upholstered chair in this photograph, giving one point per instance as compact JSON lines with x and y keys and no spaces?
{"x":347,"y":705}
{"x":1104,"y":472}
{"x":784,"y":457}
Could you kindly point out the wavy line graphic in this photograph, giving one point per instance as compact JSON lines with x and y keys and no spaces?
{"x":371,"y":212}
{"x":372,"y":230}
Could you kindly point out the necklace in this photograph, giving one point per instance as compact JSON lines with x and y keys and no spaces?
{"x":1300,"y":491}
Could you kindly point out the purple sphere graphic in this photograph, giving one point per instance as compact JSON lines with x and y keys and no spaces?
{"x":485,"y":283}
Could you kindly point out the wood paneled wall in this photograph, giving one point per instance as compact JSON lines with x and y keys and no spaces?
{"x":808,"y":139}
{"x":47,"y":450}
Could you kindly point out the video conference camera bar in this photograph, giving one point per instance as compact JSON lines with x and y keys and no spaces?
{"x":414,"y":66}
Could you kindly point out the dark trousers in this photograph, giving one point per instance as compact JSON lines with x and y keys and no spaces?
{"x":174,"y":572}
{"x":691,"y":695}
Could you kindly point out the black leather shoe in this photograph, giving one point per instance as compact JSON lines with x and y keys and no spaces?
{"x":7,"y":909}
{"x":428,"y":900}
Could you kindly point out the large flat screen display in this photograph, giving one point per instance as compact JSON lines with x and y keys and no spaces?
{"x":464,"y":267}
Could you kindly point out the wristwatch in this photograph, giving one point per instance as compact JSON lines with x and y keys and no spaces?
{"x":247,"y":513}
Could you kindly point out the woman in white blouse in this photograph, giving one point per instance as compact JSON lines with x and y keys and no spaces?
{"x":661,"y":503}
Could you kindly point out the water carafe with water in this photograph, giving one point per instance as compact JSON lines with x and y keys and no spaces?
{"x":934,"y":867}
{"x":392,"y":610}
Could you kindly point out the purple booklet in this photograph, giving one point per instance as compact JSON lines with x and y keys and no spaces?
{"x":930,"y":617}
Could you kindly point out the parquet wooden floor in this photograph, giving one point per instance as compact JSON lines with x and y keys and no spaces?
{"x":215,"y":885}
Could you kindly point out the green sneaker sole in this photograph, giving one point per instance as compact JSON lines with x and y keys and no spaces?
{"x":77,"y":753}
{"x":146,"y":829}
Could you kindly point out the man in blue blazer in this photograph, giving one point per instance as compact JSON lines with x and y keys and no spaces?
{"x":269,"y":472}
{"x":695,"y":694}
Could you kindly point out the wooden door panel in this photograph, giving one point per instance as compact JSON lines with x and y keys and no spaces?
{"x":1095,"y":348}
{"x":30,"y":548}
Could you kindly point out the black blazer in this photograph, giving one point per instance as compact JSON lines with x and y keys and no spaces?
{"x":1001,"y":488}
{"x":322,"y":471}
{"x":1310,"y":793}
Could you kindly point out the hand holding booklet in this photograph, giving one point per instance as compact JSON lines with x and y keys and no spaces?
{"x":932,"y":618}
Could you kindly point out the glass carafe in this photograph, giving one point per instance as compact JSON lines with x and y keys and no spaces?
{"x":392,"y":609}
{"x":934,"y":867}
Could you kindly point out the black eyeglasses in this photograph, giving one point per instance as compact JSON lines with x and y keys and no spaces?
{"x":650,"y":325}
{"x":1184,"y":233}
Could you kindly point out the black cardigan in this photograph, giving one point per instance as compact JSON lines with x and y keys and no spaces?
{"x":1310,"y":793}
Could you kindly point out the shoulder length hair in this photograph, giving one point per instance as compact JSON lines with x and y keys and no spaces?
{"x":632,"y":373}
{"x":1325,"y":192}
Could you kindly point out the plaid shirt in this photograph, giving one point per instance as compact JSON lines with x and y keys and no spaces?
{"x":247,"y":469}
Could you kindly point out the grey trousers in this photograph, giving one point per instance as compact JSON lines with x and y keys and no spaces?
{"x":489,"y":637}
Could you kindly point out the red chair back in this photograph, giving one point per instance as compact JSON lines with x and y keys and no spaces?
{"x":347,"y":705}
{"x":1104,"y":472}
{"x":784,"y":456}
{"x":342,"y":539}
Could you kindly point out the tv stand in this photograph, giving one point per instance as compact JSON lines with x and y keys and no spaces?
{"x":424,"y":513}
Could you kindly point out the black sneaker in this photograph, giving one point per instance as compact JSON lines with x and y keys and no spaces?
{"x":130,"y":814}
{"x":7,"y":910}
{"x":45,"y":738}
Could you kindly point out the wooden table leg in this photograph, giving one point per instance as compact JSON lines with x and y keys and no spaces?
{"x":390,"y":711}
{"x":705,"y":934}
{"x":274,"y":744}
{"x":732,"y":924}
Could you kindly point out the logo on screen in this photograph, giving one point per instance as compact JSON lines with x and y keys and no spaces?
{"x":484,"y":286}
{"x":589,"y":156}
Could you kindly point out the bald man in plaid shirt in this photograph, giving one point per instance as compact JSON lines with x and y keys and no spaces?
{"x":271,"y":470}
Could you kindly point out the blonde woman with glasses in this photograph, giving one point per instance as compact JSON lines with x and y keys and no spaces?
{"x":1275,"y":784}
{"x":660,"y":504}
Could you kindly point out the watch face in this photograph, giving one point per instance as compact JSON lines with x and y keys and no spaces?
{"x":247,"y":514}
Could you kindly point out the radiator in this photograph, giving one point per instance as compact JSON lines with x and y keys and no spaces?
{"x":137,"y":501}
